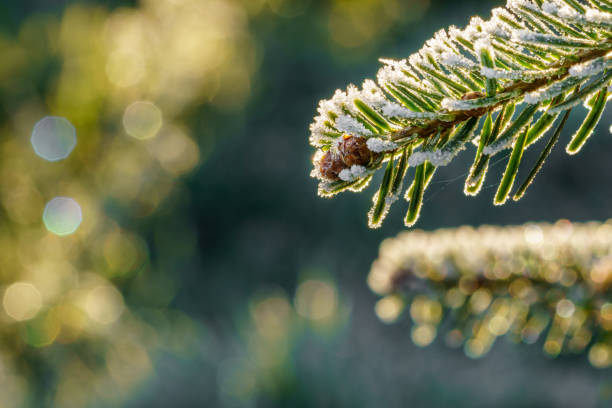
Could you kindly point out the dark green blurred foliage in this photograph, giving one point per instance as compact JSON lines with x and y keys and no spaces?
{"x":528,"y":283}
{"x":252,"y":287}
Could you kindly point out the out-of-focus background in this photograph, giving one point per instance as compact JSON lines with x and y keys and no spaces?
{"x":162,"y":244}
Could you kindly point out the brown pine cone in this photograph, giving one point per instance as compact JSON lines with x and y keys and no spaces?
{"x":354,"y":150}
{"x":330,"y":166}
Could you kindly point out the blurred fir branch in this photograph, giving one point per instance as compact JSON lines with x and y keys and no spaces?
{"x":531,"y":282}
{"x":537,"y":58}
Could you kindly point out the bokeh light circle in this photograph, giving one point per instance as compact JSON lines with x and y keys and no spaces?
{"x":53,"y":138}
{"x":62,"y":216}
{"x":125,"y":68}
{"x":104,"y":304}
{"x":22,"y":301}
{"x":316,"y":300}
{"x":389,"y":308}
{"x":142,"y":120}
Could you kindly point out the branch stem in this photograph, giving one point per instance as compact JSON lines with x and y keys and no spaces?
{"x":433,"y":126}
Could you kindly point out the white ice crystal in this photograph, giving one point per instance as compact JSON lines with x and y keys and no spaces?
{"x":346,"y":175}
{"x":456,"y":60}
{"x":550,"y":7}
{"x":378,"y":145}
{"x":525,"y":35}
{"x":353,"y":173}
{"x":495,"y":28}
{"x":596,"y":16}
{"x":522,"y":3}
{"x":352,"y":126}
{"x":592,"y":67}
{"x":525,"y":75}
{"x":454,"y":105}
{"x":438,"y":158}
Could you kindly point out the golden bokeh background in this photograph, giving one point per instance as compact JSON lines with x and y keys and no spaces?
{"x":96,"y":133}
{"x":161,"y":242}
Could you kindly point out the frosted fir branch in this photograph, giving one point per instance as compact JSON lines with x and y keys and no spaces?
{"x":489,"y":282}
{"x":530,"y":53}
